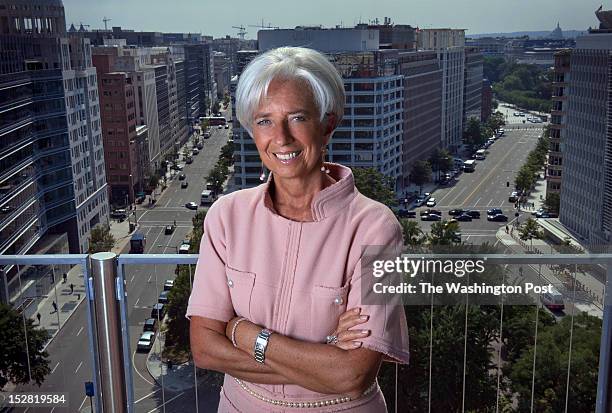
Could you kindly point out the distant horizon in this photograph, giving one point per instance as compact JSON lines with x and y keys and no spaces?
{"x":217,"y":19}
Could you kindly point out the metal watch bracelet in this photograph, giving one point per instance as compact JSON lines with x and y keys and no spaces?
{"x":261,"y":343}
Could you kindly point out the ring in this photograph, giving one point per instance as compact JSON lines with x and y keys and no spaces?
{"x":333,"y":339}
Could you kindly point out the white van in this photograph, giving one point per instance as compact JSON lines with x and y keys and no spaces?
{"x":480,"y":154}
{"x":553,"y":300}
{"x":207,"y":197}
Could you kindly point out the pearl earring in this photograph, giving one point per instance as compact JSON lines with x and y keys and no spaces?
{"x":323,"y":168}
{"x":262,"y":177}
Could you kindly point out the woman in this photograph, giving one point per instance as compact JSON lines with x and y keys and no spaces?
{"x":277,"y":291}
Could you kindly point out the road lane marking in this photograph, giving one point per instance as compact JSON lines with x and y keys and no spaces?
{"x":54,"y":368}
{"x":78,"y":367}
{"x":132,"y":279}
{"x":136,"y":303}
{"x":138,"y":372}
{"x":162,"y":405}
{"x":458,"y":195}
{"x":82,"y":403}
{"x":80,"y":331}
{"x":477,"y":202}
{"x":489,"y":204}
{"x":146,"y":396}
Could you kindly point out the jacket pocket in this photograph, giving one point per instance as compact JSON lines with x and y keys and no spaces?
{"x":240,"y":284}
{"x":326,"y":306}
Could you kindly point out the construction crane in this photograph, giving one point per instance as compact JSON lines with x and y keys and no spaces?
{"x":241,"y":31}
{"x":106,"y":20}
{"x":262,"y":26}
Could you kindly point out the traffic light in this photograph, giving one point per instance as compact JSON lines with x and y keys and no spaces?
{"x":507,"y":183}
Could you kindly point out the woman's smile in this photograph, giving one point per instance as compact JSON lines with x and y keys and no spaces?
{"x":287,"y":158}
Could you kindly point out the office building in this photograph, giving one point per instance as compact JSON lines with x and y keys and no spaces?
{"x":560,"y":82}
{"x":472,"y":85}
{"x":449,"y":45}
{"x":586,"y":140}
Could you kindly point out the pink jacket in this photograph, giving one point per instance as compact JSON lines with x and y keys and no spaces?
{"x":296,"y":278}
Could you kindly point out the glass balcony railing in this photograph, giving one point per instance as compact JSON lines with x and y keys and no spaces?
{"x":91,"y":315}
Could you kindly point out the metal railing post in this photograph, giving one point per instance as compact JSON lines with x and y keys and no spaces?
{"x":92,"y":336}
{"x":112,"y":387}
{"x":604,"y":381}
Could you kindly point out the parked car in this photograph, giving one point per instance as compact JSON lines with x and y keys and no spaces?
{"x":189,"y":160}
{"x":497,"y":218}
{"x":158,"y":311}
{"x":150,"y":324}
{"x":473,"y":213}
{"x":191,"y":205}
{"x":200,"y":146}
{"x":184,"y":184}
{"x":431,"y":202}
{"x":456,"y":236}
{"x":464,"y":218}
{"x":546,"y":214}
{"x":182,"y":177}
{"x":116,"y":214}
{"x":163,"y":297}
{"x":420,"y":201}
{"x":169,"y":229}
{"x":494,"y":211}
{"x":195,"y":151}
{"x":456,"y":212}
{"x":226,"y":126}
{"x":168,"y":285}
{"x":404,"y":213}
{"x":206,"y":136}
{"x":430,"y":211}
{"x":513,"y":196}
{"x":220,"y":127}
{"x":431,"y":217}
{"x":145,"y":342}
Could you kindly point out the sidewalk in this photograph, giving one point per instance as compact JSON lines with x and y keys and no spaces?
{"x":589,"y":290}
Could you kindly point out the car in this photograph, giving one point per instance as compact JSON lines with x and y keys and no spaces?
{"x":7,"y":208}
{"x":169,"y":229}
{"x":163,"y":297}
{"x":150,"y":324}
{"x":497,"y":218}
{"x":116,"y":214}
{"x":420,"y":201}
{"x":226,"y":126}
{"x":200,"y":146}
{"x":521,"y":114}
{"x":430,"y":211}
{"x":431,"y":217}
{"x":182,"y":177}
{"x":195,"y":151}
{"x":540,"y":210}
{"x":186,"y":241}
{"x":456,"y":236}
{"x":517,"y":113}
{"x":546,"y":214}
{"x":180,"y":167}
{"x":473,"y":213}
{"x":158,"y":311}
{"x":191,"y":205}
{"x":183,"y":249}
{"x":404,"y":213}
{"x":464,"y":218}
{"x":501,"y":132}
{"x":220,"y":127}
{"x":455,"y":212}
{"x":513,"y":196}
{"x":431,"y":202}
{"x":206,"y":136}
{"x":494,"y":211}
{"x":145,"y":342}
{"x":184,"y":184}
{"x":189,"y":160}
{"x":168,"y":285}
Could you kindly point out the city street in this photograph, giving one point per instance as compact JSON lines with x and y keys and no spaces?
{"x":70,"y":359}
{"x":486,"y":187}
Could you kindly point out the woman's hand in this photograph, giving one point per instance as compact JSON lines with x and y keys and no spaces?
{"x":350,"y":339}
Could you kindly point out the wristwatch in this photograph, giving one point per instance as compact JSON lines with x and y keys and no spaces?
{"x":261,"y":342}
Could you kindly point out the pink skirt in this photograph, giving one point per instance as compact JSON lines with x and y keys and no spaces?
{"x":234,"y":399}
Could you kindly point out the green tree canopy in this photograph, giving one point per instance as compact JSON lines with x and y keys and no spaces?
{"x":421,"y":173}
{"x":13,"y":355}
{"x":101,"y":239}
{"x":375,"y":185}
{"x":552,"y":202}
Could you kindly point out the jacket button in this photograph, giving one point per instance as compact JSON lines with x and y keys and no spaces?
{"x":338,"y":300}
{"x":230,"y":283}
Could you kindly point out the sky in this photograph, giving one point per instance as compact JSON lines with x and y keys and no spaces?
{"x":216,"y":17}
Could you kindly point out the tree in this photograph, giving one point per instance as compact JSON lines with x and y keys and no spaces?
{"x":530,"y":230}
{"x":153,"y":181}
{"x":14,"y":359}
{"x":473,"y":133}
{"x":551,"y":367}
{"x":216,"y":177}
{"x":421,"y":174}
{"x":443,"y":232}
{"x":215,"y":107}
{"x":375,"y":185}
{"x":552,"y":202}
{"x":227,"y":153}
{"x":100,"y":239}
{"x":496,"y":121}
{"x":413,"y":234}
{"x":524,"y":180}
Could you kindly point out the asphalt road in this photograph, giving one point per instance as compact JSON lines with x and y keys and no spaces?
{"x":486,"y":187}
{"x":70,"y":358}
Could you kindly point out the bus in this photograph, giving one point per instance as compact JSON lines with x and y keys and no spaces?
{"x":480,"y":154}
{"x":469,"y":165}
{"x":137,"y":243}
{"x":213,"y":120}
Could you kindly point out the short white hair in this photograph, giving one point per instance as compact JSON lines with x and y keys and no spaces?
{"x":288,"y":63}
